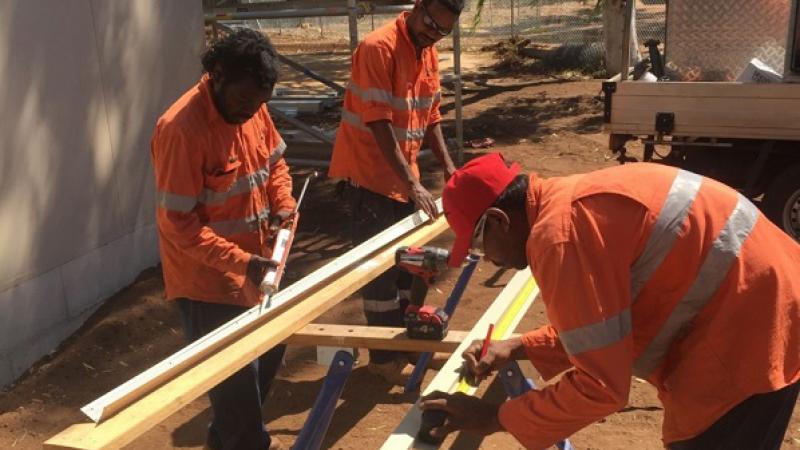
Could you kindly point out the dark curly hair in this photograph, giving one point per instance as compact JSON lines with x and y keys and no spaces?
{"x":244,"y":53}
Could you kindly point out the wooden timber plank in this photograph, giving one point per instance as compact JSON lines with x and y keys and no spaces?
{"x":699,"y":111}
{"x":169,"y":397}
{"x":506,"y":311}
{"x":646,"y":129}
{"x":113,"y":401}
{"x":381,"y":338}
{"x":772,"y":118}
{"x":671,"y":89}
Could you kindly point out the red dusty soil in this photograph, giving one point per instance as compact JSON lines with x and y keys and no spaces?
{"x":550,"y":125}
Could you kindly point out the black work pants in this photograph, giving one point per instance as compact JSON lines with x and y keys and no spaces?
{"x":386,"y":296}
{"x":236,"y":402}
{"x":758,"y":423}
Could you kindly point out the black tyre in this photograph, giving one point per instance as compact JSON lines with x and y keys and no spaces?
{"x":782,"y":201}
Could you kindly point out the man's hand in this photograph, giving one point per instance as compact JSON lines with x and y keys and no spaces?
{"x":257,"y":268}
{"x":277,"y":220}
{"x":464,"y":413}
{"x":423,"y":199}
{"x":498,"y":353}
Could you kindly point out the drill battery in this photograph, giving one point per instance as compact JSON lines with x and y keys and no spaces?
{"x":426,"y":322}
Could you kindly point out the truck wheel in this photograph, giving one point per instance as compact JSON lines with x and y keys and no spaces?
{"x":782,"y":201}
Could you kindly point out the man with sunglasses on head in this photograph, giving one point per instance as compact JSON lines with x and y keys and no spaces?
{"x":390,"y":108}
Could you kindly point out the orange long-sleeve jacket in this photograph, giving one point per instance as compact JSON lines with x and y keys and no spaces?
{"x":652,"y":271}
{"x":216,"y":185}
{"x":387,"y":82}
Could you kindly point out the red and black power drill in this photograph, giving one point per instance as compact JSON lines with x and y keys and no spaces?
{"x":425,"y":263}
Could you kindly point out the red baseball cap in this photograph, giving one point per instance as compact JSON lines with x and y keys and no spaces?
{"x":469,"y":192}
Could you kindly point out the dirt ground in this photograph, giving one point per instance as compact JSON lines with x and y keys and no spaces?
{"x":549,"y":124}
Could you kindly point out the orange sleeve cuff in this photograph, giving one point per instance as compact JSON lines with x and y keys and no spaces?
{"x":241,"y":265}
{"x":545,"y":352}
{"x":375,"y":113}
{"x":286,"y":204}
{"x":512,"y":417}
{"x":435,"y":117}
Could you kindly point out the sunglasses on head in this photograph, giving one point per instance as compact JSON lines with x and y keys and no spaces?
{"x":430,"y":23}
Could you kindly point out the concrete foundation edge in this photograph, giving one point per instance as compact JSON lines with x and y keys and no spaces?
{"x":72,"y":292}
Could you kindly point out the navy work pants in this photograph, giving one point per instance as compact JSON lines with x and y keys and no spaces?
{"x":236,"y":402}
{"x":758,"y":423}
{"x":386,"y":296}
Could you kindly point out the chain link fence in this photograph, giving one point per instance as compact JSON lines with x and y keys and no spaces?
{"x":576,"y":24}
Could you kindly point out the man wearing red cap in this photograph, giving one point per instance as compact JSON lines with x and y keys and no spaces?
{"x":644,"y":270}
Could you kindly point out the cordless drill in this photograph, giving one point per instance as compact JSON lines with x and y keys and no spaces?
{"x":425,"y":263}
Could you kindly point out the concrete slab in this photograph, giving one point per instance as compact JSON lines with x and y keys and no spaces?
{"x":94,"y":277}
{"x":27,"y":353}
{"x":30,"y":308}
{"x":6,"y":374}
{"x":84,"y":279}
{"x":145,"y":247}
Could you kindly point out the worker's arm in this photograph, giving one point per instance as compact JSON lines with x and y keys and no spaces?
{"x":178,"y":167}
{"x":434,"y":136}
{"x":390,"y":149}
{"x":585,"y":284}
{"x":435,"y":139}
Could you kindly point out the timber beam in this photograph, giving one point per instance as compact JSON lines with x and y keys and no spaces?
{"x":151,"y":403}
{"x":378,"y":338}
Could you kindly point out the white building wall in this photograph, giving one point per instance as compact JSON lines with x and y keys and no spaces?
{"x":83,"y":83}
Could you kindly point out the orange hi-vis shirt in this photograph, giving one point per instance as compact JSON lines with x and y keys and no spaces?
{"x":656,"y":272}
{"x":216,"y":184}
{"x":387,"y":82}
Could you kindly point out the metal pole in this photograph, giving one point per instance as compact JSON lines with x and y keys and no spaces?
{"x":311,"y":12}
{"x":457,"y":81}
{"x":513,"y":28}
{"x":311,"y":74}
{"x":352,"y":22}
{"x":300,"y":125}
{"x":215,"y":30}
{"x":626,"y":39}
{"x":313,"y":432}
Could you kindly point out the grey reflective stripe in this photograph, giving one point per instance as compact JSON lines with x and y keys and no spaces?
{"x":715,"y":267}
{"x":175,"y":202}
{"x":402,"y":134}
{"x":384,"y":96}
{"x":243,"y":184}
{"x":277,"y":153}
{"x":354,"y":120}
{"x":597,"y":335}
{"x":666,"y":229}
{"x":416,"y":134}
{"x":381,"y":306}
{"x":231,"y":227}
